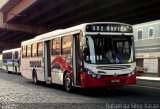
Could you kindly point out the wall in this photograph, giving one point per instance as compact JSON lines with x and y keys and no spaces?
{"x":147,"y":44}
{"x":148,"y":48}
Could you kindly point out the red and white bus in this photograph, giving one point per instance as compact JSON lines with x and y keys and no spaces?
{"x":89,"y":55}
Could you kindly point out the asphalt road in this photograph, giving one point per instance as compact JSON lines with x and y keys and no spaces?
{"x":18,"y":92}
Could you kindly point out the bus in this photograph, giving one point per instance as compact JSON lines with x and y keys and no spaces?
{"x":77,"y":56}
{"x":11,"y":60}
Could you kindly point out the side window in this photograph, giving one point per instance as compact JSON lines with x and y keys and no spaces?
{"x":151,"y":32}
{"x":28,"y":50}
{"x":40,"y":49}
{"x":16,"y":55}
{"x":139,"y":34}
{"x":7,"y":55}
{"x":34,"y":50}
{"x":56,"y":46}
{"x":66,"y":44}
{"x":23,"y":51}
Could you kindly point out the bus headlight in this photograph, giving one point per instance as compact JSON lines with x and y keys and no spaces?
{"x":93,"y":75}
{"x":89,"y":72}
{"x":98,"y":76}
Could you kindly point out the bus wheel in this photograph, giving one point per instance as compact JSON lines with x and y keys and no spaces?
{"x":67,"y":82}
{"x":35,"y":80}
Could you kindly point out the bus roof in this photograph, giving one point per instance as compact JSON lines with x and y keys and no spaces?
{"x":11,"y":50}
{"x":74,"y":29}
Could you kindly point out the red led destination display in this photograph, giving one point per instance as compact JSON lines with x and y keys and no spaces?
{"x":109,"y":28}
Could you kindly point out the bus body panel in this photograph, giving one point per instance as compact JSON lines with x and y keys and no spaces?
{"x":25,"y":71}
{"x":30,"y":64}
{"x":56,"y":71}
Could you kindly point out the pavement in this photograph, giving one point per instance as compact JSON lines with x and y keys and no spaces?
{"x":17,"y":92}
{"x":154,"y":77}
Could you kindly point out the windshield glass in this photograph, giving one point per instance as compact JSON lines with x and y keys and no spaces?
{"x":109,"y":49}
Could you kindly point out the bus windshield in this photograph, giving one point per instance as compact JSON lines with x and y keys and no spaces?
{"x":109,"y":49}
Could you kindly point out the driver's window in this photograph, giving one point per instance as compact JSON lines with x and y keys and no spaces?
{"x":87,"y":51}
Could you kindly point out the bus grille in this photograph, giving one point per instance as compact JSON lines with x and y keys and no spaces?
{"x":118,"y":67}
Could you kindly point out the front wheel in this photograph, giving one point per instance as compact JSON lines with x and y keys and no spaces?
{"x":67,"y":82}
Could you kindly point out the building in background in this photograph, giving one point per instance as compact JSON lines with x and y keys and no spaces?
{"x":147,"y":44}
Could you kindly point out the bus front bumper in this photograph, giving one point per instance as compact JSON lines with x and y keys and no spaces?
{"x":107,"y":81}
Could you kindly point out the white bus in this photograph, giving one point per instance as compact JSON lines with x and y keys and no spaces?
{"x":88,"y":55}
{"x":11,"y":60}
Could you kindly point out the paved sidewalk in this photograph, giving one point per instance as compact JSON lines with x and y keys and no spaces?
{"x":149,"y":77}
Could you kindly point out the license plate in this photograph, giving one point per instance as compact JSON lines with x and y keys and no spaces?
{"x":115,"y":81}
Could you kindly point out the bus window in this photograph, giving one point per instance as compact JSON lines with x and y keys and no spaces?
{"x":66,"y":45}
{"x":56,"y":46}
{"x":34,"y":50}
{"x":23,"y":51}
{"x":40,"y":49}
{"x":7,"y":55}
{"x":87,"y":51}
{"x":28,"y":50}
{"x":16,"y":55}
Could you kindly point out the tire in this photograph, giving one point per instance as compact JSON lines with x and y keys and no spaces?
{"x":67,"y":82}
{"x":8,"y":72}
{"x":35,"y":79}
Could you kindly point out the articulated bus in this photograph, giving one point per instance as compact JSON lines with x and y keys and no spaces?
{"x":88,"y":55}
{"x":11,"y":60}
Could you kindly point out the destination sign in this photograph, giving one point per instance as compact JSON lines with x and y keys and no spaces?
{"x":109,"y":28}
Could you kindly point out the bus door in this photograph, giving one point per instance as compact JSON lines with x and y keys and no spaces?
{"x":47,"y":63}
{"x":13,"y":62}
{"x":76,"y":58}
